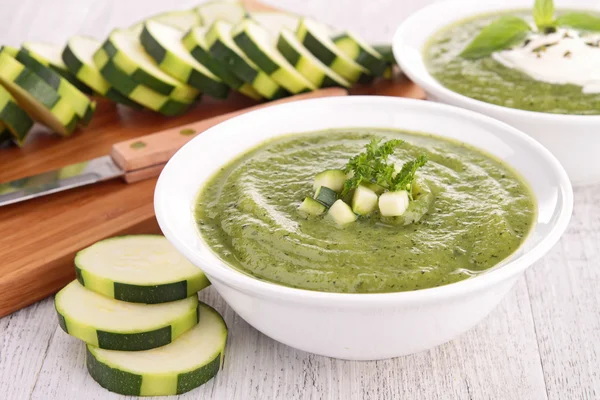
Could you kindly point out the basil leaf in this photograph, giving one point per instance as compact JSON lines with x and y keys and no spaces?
{"x":543,"y":13}
{"x":499,"y":35}
{"x":579,"y":20}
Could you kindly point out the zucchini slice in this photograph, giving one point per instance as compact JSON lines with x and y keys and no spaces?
{"x":135,"y":91}
{"x":78,"y":57}
{"x":51,"y":55}
{"x":361,"y":52}
{"x":315,"y":37}
{"x":195,"y":43}
{"x":138,"y":269}
{"x":163,"y":44}
{"x":259,"y":47}
{"x":219,"y":10}
{"x":312,"y":207}
{"x":308,"y":65}
{"x":36,"y":97}
{"x":184,"y":20}
{"x":341,"y":213}
{"x":84,"y":108}
{"x":14,"y":121}
{"x":127,"y":53}
{"x":386,"y":53}
{"x":190,"y":361}
{"x":117,"y":325}
{"x":223,"y":48}
{"x":274,"y":21}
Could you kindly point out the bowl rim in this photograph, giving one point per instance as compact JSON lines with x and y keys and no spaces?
{"x":415,"y":23}
{"x":213,"y":266}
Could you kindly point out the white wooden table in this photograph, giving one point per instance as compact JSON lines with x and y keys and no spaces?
{"x":542,"y":342}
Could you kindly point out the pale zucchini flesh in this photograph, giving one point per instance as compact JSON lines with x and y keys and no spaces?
{"x":135,"y":91}
{"x":218,"y":10}
{"x":332,"y":178}
{"x":306,"y":63}
{"x":259,"y":47}
{"x":223,"y":48}
{"x":163,"y":44}
{"x":36,"y":97}
{"x":364,"y":201}
{"x":183,"y":20}
{"x":311,"y":206}
{"x":275,"y":21}
{"x":195,"y":43}
{"x":117,"y":325}
{"x":139,"y":269}
{"x":127,"y":53}
{"x":341,"y":213}
{"x":188,"y":362}
{"x":14,"y":121}
{"x":315,"y":37}
{"x":78,"y":57}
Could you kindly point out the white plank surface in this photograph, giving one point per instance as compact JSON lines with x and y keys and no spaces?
{"x":542,"y":342}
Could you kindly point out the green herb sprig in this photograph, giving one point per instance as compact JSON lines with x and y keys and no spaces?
{"x":506,"y":31}
{"x":372,"y":166}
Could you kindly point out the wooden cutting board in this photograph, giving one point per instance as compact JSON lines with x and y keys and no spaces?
{"x":39,"y":238}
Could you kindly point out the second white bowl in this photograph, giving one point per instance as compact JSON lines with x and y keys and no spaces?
{"x":573,"y":139}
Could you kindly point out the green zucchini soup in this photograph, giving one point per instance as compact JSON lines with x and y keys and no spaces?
{"x":505,"y":59}
{"x":362,"y":210}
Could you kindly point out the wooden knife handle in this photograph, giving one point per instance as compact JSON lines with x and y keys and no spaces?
{"x":145,"y":156}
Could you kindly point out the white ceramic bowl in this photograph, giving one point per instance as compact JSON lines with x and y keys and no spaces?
{"x":574,"y":139}
{"x":360,"y":326}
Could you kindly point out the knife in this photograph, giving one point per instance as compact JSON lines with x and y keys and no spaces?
{"x":133,"y":160}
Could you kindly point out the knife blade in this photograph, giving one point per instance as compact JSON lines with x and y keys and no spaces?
{"x":69,"y":177}
{"x":134,"y":160}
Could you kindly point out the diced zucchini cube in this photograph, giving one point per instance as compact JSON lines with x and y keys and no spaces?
{"x":325,"y":196}
{"x":393,"y":204}
{"x":312,"y":207}
{"x":332,"y":178}
{"x":342,"y":213}
{"x":364,"y":201}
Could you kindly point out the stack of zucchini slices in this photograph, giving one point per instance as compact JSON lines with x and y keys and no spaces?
{"x":135,"y":305}
{"x":168,"y":61}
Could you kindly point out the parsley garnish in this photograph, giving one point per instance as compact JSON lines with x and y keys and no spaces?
{"x":371,"y":166}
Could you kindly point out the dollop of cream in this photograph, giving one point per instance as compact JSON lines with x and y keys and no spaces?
{"x":565,"y":56}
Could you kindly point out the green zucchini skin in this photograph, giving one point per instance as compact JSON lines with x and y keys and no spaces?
{"x":92,"y":77}
{"x":250,"y":37}
{"x":170,"y":62}
{"x":136,"y":92}
{"x":308,"y":65}
{"x":140,"y":76}
{"x":331,"y":56}
{"x":240,"y":66}
{"x":16,"y":123}
{"x":372,"y":61}
{"x":114,"y":375}
{"x":220,"y":69}
{"x":78,"y":100}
